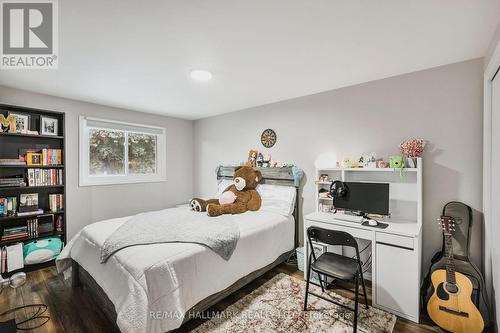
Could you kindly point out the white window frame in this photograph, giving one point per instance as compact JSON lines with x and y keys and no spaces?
{"x":85,"y":179}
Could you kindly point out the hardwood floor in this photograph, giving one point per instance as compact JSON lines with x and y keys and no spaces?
{"x":72,"y":311}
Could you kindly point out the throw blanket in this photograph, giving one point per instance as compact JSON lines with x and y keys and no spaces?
{"x":220,"y":234}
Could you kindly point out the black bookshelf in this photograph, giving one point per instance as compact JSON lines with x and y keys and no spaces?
{"x":10,"y":145}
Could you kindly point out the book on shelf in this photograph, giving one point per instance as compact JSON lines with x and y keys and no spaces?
{"x":8,"y":206}
{"x":32,"y":228}
{"x":15,"y":259}
{"x":11,"y":258}
{"x":15,"y":236}
{"x":51,"y":157}
{"x":16,"y":181}
{"x":15,"y":233}
{"x":3,"y":260}
{"x":11,"y":161}
{"x":44,"y":177}
{"x":56,"y":202}
{"x":11,"y":180}
{"x":35,"y":212}
{"x":14,"y":230}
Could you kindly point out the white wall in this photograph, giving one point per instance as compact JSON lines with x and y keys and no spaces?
{"x":442,"y":105}
{"x":493,"y":44}
{"x":94,"y":203}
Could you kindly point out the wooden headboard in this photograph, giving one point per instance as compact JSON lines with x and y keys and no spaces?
{"x":271,"y":176}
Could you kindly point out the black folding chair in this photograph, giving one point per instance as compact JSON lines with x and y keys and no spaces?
{"x":335,"y":266}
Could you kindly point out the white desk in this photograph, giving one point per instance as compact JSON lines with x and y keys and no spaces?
{"x":396,"y":259}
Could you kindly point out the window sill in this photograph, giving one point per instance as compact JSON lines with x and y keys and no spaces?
{"x":123,"y":181}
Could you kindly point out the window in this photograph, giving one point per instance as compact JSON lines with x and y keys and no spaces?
{"x":113,"y":152}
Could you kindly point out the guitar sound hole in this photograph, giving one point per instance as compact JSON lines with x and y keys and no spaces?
{"x":451,"y":288}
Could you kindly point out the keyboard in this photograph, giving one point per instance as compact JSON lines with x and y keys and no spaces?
{"x":348,"y":218}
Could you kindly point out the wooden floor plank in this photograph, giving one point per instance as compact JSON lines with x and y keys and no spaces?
{"x":35,"y":292}
{"x":10,"y":299}
{"x":73,"y":311}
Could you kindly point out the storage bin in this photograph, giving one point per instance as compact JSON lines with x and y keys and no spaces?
{"x":319,"y":249}
{"x":300,"y":258}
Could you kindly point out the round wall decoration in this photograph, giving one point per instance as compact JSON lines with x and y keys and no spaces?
{"x":268,"y":138}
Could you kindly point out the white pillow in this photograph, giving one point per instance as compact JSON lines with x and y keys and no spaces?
{"x":223,"y":184}
{"x":277,"y":199}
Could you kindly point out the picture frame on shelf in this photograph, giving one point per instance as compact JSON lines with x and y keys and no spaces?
{"x":8,"y":124}
{"x":28,"y":202}
{"x":22,"y":122}
{"x":34,"y":159}
{"x":23,"y":152}
{"x":49,"y":126}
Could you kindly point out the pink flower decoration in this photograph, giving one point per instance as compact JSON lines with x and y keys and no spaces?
{"x":412,"y":147}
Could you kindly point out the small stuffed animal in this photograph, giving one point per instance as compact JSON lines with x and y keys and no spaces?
{"x":41,"y":250}
{"x":346,"y":163}
{"x":267,"y":161}
{"x":243,"y":195}
{"x":252,"y":158}
{"x":260,"y":160}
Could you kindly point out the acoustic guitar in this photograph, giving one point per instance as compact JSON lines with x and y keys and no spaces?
{"x":450,"y":306}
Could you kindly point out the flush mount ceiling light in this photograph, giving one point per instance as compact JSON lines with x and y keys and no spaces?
{"x":201,"y":75}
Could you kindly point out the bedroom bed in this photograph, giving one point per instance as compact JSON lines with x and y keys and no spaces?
{"x":157,"y":287}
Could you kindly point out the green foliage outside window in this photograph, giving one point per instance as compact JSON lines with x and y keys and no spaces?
{"x":141,"y":153}
{"x":107,"y":152}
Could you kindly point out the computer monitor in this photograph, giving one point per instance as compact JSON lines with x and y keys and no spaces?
{"x":367,"y":198}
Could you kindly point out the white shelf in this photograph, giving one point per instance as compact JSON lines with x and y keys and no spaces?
{"x":370,"y":169}
{"x":405,"y":193}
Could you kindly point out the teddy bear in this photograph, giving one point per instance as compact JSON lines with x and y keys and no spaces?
{"x":237,"y":198}
{"x":252,"y":158}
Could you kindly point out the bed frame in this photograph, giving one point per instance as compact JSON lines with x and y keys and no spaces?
{"x":273,"y":176}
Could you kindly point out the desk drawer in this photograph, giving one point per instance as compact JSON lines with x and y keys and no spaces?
{"x":394,"y":240}
{"x":354,"y":231}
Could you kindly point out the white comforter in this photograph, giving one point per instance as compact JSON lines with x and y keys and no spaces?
{"x":152,"y":286}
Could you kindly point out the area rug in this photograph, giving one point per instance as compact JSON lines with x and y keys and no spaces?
{"x":277,"y":306}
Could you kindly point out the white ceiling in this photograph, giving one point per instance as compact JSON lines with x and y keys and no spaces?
{"x":137,"y":54}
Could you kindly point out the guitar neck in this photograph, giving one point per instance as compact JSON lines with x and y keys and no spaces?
{"x":450,"y":262}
